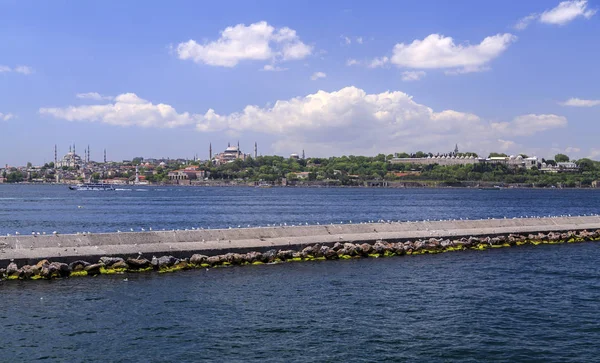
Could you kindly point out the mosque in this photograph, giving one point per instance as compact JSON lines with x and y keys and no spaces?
{"x":71,"y":159}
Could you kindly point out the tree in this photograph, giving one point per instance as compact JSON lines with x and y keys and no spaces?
{"x":497,"y":155}
{"x":585,"y":164}
{"x":561,"y":158}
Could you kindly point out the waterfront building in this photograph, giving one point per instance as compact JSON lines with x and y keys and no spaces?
{"x":190,"y":173}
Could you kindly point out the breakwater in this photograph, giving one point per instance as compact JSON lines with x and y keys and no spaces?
{"x":24,"y":257}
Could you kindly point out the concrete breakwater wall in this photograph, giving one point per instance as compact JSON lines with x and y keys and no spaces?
{"x":68,"y":248}
{"x":87,"y":253}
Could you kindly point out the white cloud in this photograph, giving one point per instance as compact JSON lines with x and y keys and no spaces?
{"x":258,"y":41}
{"x":26,"y":70}
{"x":346,"y":40}
{"x":318,"y":75}
{"x":352,"y":62}
{"x":93,"y":96}
{"x":527,"y":125}
{"x":572,"y":149}
{"x":465,"y":70}
{"x":359,"y":40}
{"x":126,"y":110}
{"x":408,"y":76}
{"x":566,"y":12}
{"x":523,"y":23}
{"x":6,"y":116}
{"x":562,"y":14}
{"x":353,"y":121}
{"x":273,"y":68}
{"x":438,"y":51}
{"x":346,"y":121}
{"x":378,"y":62}
{"x":577,"y":102}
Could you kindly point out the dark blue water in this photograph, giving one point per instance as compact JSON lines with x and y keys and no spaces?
{"x":26,"y":208}
{"x":525,"y":304}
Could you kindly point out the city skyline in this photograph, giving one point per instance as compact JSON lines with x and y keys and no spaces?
{"x":396,"y":77}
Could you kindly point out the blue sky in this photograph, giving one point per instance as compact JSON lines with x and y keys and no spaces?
{"x":163,"y":79}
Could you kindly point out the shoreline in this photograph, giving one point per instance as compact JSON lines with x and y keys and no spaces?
{"x":91,"y":254}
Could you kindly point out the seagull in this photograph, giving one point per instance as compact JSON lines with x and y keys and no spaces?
{"x":131,"y":229}
{"x":17,"y":233}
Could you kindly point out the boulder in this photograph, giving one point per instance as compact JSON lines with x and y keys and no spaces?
{"x":285,"y":255}
{"x":366,"y":249}
{"x":269,"y":256}
{"x":138,"y":263}
{"x":42,"y":263}
{"x":198,"y":259}
{"x":163,"y":261}
{"x":93,"y":269}
{"x":214,"y":260}
{"x":119,"y":265}
{"x":12,"y":269}
{"x":253,"y":257}
{"x":337,"y":246}
{"x":27,"y":271}
{"x":109,"y":261}
{"x":59,"y":269}
{"x":78,"y":265}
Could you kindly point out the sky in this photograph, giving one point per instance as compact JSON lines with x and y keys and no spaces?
{"x":164,"y":79}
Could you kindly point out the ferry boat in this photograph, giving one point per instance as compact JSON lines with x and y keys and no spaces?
{"x":92,"y":186}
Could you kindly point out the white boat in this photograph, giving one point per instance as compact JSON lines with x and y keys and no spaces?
{"x":92,"y":186}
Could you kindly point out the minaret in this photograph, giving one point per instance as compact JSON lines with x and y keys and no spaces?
{"x":228,"y":144}
{"x":210,"y":151}
{"x":88,"y":154}
{"x":74,"y":149}
{"x":456,"y":149}
{"x":255,"y":150}
{"x":303,"y":157}
{"x":238,"y":144}
{"x":70,"y":149}
{"x":55,"y":155}
{"x":137,"y":175}
{"x":104,"y":156}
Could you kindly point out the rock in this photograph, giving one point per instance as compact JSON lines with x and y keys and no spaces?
{"x":285,"y":255}
{"x":330,"y":254}
{"x":78,"y":265}
{"x":60,"y":269}
{"x":2,"y":272}
{"x":337,"y":246}
{"x":365,"y":249}
{"x":138,"y":263}
{"x":42,"y":263}
{"x":269,"y":256}
{"x":324,"y":250}
{"x":27,"y":271}
{"x":253,"y":257}
{"x":166,"y":261}
{"x":214,"y":260}
{"x":12,"y":269}
{"x":198,"y":259}
{"x":119,"y":265}
{"x":93,"y":269}
{"x":109,"y":261}
{"x":351,"y":249}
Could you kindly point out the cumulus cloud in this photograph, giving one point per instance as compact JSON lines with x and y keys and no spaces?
{"x":378,"y":62}
{"x":127,"y":110}
{"x":351,"y":120}
{"x":26,"y":70}
{"x":566,"y":12}
{"x":258,"y":41}
{"x":273,"y":68}
{"x":527,"y":125}
{"x":348,"y":120}
{"x":352,"y":62}
{"x":318,"y":75}
{"x":562,"y":14}
{"x":93,"y":96}
{"x":577,"y":102}
{"x":438,"y":51}
{"x":409,"y":76}
{"x":571,"y":149}
{"x":6,"y":116}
